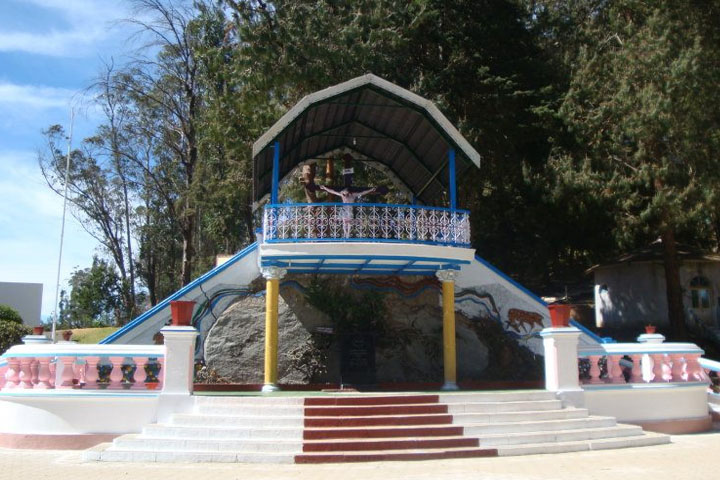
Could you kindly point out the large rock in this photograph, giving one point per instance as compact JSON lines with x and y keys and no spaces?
{"x":412,"y":350}
{"x":408,"y":340}
{"x":235,"y":346}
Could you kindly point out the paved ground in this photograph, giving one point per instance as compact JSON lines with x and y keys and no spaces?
{"x":688,"y":457}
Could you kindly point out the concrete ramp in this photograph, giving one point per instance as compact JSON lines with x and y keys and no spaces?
{"x":211,"y":292}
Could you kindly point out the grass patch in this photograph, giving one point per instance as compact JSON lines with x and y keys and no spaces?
{"x":88,"y":335}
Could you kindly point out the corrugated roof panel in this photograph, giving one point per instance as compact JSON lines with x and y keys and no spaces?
{"x":412,"y":125}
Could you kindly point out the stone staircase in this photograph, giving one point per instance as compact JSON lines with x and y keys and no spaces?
{"x":372,"y":427}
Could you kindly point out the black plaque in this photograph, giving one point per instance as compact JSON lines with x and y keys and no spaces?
{"x":358,"y":359}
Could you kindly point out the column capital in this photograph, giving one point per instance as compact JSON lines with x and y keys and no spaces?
{"x":273,"y":272}
{"x":446,"y":275}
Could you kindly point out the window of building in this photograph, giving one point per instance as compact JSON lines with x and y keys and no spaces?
{"x":700,"y":293}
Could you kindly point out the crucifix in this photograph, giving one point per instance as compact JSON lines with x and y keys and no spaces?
{"x":347,"y":193}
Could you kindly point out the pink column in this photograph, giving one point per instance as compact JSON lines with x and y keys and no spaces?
{"x":595,"y":369}
{"x":44,"y":373}
{"x":676,"y":374}
{"x":658,"y":364}
{"x":91,"y":372}
{"x":116,"y":375}
{"x":25,"y":372}
{"x":695,"y":372}
{"x":614,"y":363}
{"x":79,"y":371}
{"x":140,"y":374}
{"x":66,"y":380}
{"x":53,"y":371}
{"x":12,"y":376}
{"x":34,"y":371}
{"x":636,"y":375}
{"x":667,"y":371}
{"x":3,"y":372}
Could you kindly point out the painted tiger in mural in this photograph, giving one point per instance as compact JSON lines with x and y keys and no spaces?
{"x":518,"y":319}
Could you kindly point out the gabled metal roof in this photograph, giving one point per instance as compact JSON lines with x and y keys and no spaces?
{"x":378,"y":120}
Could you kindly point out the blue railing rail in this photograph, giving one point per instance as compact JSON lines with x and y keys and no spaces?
{"x":712,"y":365}
{"x":186,"y":290}
{"x":372,"y":222}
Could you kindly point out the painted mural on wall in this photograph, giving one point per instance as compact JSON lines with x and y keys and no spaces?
{"x":517,"y":317}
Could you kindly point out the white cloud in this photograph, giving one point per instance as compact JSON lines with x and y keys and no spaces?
{"x":89,"y":23}
{"x":35,"y":96}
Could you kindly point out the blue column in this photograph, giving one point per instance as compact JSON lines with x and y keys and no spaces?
{"x":451,"y":167}
{"x":275,"y":173}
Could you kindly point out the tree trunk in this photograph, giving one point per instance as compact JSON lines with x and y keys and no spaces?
{"x":676,"y":314}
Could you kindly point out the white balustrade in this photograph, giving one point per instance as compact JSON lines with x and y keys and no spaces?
{"x":371,"y":222}
{"x":86,"y":367}
{"x":645,"y":362}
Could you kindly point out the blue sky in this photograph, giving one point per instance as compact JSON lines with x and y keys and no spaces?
{"x":50,"y":51}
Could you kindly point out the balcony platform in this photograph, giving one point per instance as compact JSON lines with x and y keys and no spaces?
{"x":364,"y":258}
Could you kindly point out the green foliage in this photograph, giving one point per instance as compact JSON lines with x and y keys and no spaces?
{"x":9,"y":314}
{"x":94,"y":299}
{"x":348,"y":313}
{"x":11,"y":333}
{"x":597,"y":122}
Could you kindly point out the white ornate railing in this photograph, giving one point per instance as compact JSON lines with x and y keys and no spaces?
{"x":648,"y":362}
{"x":87,"y":367}
{"x":308,"y":222}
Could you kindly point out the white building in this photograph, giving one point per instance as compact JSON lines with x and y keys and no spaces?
{"x":631,"y":291}
{"x":26,"y":298}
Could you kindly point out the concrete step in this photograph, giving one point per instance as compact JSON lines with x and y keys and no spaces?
{"x":529,"y":415}
{"x":509,"y":406}
{"x":505,"y":396}
{"x":394,"y":455}
{"x":223,"y":432}
{"x":376,"y":444}
{"x":498,"y":439}
{"x":249,"y":409}
{"x":215,"y":445}
{"x":644,"y":440}
{"x":371,"y":400}
{"x":538,"y":426}
{"x":107,"y":453}
{"x":383,"y":432}
{"x":378,"y":420}
{"x":197,"y":420}
{"x":258,"y":400}
{"x":368,"y":410}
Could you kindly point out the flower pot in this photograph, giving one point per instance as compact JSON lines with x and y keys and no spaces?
{"x":151,"y":385}
{"x":650,"y":328}
{"x":39,"y":330}
{"x":181,"y":312}
{"x":559,"y":315}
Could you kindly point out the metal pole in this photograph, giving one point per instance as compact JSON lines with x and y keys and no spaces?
{"x":62,"y":228}
{"x":275,"y":173}
{"x":453,"y":194}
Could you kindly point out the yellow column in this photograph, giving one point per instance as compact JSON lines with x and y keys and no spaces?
{"x":447,"y":277}
{"x":272,"y":276}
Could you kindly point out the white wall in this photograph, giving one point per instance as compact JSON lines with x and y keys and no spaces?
{"x":76,"y":414}
{"x":648,"y":402}
{"x":26,"y":298}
